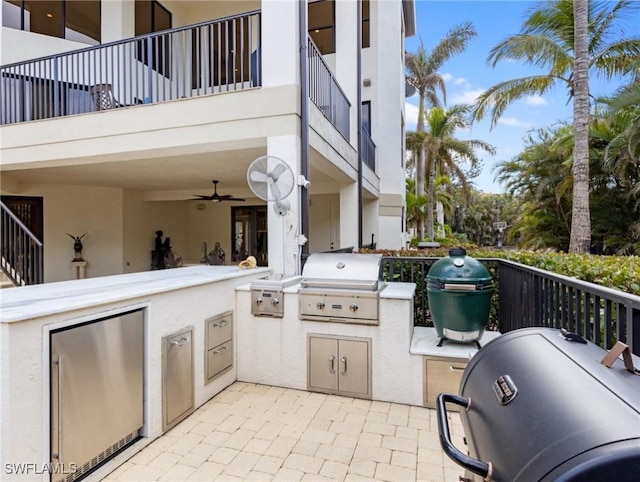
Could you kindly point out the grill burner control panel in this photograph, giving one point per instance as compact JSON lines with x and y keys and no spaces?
{"x":267,"y":303}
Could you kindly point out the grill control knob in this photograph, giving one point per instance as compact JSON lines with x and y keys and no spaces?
{"x":320,"y":305}
{"x":275,"y":302}
{"x":353,"y":307}
{"x":258,"y":301}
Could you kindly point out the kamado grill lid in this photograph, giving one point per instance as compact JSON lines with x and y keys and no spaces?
{"x":459,"y":269}
{"x":342,"y":271}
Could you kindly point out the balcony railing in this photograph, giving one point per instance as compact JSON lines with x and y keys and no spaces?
{"x":531,"y":297}
{"x":368,"y":149}
{"x":21,"y":252}
{"x":215,"y":56}
{"x":325,"y":92}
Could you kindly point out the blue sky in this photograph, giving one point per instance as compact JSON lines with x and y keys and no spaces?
{"x":468,"y":74}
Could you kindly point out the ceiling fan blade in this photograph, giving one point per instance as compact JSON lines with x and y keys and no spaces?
{"x":199,"y":197}
{"x":235,"y":199}
{"x":258,"y":176}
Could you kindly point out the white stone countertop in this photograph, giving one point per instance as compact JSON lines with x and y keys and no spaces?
{"x":398,"y":291}
{"x":425,"y":342}
{"x":28,"y":302}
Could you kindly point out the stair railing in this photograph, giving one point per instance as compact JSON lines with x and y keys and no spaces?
{"x":21,"y":252}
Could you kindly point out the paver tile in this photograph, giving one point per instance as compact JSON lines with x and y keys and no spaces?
{"x":365,"y":468}
{"x":268,"y":464}
{"x":223,"y":455}
{"x":402,"y":444}
{"x":178,"y":472}
{"x":207,"y":471}
{"x":403,"y":459}
{"x":393,"y":473}
{"x":336,"y":454}
{"x":304,"y":463}
{"x":254,"y":432}
{"x":334,"y":470}
{"x":288,"y":475}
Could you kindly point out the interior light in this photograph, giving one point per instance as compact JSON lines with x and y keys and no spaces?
{"x":317,"y":31}
{"x":50,"y":15}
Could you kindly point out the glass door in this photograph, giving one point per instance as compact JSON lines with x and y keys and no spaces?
{"x":249,"y":233}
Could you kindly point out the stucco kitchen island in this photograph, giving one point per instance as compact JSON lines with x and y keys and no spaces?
{"x":169,"y":300}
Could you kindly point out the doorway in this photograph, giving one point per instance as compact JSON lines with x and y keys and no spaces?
{"x":249,"y":233}
{"x":29,"y":210}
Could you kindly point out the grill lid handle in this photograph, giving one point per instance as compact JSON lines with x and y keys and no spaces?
{"x":484,"y":469}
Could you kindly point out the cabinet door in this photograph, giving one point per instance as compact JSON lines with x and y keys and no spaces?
{"x":323,"y":363}
{"x":178,"y":390}
{"x":353,"y":363}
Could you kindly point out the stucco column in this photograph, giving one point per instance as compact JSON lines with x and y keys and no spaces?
{"x":346,"y":55}
{"x":283,"y":230}
{"x":349,"y":215}
{"x":118,"y":17}
{"x":370,"y":220}
{"x":279,"y":43}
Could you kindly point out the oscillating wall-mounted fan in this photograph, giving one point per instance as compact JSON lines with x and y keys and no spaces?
{"x":271,"y":179}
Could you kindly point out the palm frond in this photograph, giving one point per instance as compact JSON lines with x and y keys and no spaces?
{"x":535,"y":50}
{"x":497,"y":98}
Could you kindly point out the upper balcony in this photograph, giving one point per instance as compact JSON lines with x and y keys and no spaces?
{"x":222,"y":55}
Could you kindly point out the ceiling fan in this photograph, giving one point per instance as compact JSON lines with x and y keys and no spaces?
{"x":215,"y":197}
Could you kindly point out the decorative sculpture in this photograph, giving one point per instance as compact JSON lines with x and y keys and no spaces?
{"x":216,"y":256}
{"x":163,"y":256}
{"x":77,"y":246}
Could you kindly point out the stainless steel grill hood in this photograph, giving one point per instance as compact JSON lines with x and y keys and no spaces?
{"x":341,"y":287}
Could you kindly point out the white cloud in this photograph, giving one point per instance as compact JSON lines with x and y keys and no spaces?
{"x":410,"y":116}
{"x":512,"y":121}
{"x":535,"y":100}
{"x":468,"y":96}
{"x":447,"y":77}
{"x":460,"y":81}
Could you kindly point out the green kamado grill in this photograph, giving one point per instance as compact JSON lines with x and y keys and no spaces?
{"x":459,"y":290}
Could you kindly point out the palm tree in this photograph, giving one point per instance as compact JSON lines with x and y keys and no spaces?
{"x":548,"y":40}
{"x":422,"y":73}
{"x":444,"y":151}
{"x":580,"y":239}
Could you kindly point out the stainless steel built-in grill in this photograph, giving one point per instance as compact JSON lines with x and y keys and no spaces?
{"x":341,"y":287}
{"x":542,"y":406}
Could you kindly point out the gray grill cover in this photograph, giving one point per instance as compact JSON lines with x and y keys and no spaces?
{"x":342,"y":271}
{"x":572,"y":419}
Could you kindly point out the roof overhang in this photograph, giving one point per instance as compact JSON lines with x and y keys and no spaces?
{"x":409,"y":14}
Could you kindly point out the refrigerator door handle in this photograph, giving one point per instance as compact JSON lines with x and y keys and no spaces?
{"x":57,"y":454}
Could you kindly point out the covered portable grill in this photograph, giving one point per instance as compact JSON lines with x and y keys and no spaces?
{"x":341,"y":287}
{"x":540,"y":406}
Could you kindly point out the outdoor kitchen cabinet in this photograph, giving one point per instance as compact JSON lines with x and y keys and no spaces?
{"x":339,"y":365}
{"x":441,"y":375}
{"x":178,"y":394}
{"x":218,"y":345}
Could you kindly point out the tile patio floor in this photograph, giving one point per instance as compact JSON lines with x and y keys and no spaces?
{"x":264,"y":433}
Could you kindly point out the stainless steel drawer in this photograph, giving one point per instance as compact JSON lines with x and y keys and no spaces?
{"x":219,"y":359}
{"x":441,"y":375}
{"x":219,"y":330}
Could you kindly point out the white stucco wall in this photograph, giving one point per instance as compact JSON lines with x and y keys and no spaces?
{"x":273,"y":351}
{"x":76,"y":210}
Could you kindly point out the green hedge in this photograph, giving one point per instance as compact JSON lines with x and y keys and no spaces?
{"x":617,"y":272}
